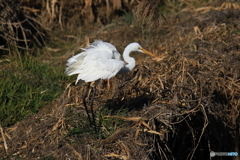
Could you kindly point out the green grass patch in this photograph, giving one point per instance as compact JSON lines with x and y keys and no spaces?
{"x":128,"y":18}
{"x":106,"y":126}
{"x":26,"y":85}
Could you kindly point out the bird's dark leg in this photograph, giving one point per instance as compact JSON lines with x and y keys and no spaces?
{"x":92,"y":103}
{"x":85,"y":104}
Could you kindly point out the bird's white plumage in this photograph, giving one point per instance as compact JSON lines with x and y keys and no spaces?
{"x":100,"y":60}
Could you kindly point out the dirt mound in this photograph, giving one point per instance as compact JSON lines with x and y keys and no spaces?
{"x":182,"y":105}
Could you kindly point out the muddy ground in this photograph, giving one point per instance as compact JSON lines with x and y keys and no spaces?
{"x":181,"y":105}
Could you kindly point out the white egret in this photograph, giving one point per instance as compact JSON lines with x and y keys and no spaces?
{"x":101,"y":60}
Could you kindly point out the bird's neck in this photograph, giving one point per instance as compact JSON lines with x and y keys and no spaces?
{"x":129,"y":60}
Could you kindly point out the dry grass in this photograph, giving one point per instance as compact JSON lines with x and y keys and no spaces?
{"x":19,"y":28}
{"x":71,"y":14}
{"x":148,"y":13}
{"x":24,"y":23}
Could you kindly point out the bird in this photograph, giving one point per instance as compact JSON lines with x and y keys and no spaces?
{"x":101,"y":60}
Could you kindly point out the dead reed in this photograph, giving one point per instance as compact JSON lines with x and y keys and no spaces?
{"x":19,"y":29}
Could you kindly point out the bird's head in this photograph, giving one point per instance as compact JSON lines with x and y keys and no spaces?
{"x":137,"y":47}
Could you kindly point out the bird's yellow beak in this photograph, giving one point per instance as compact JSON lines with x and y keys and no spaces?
{"x":147,"y":52}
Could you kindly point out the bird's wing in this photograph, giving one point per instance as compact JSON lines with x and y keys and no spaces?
{"x":100,"y":69}
{"x":96,"y":49}
{"x":74,"y":63}
{"x":100,"y":60}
